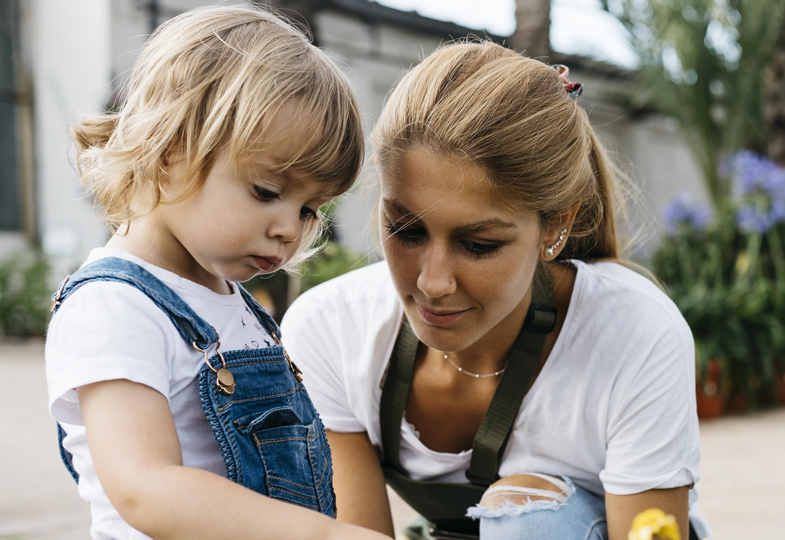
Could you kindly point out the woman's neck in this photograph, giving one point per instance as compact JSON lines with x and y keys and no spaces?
{"x":490,"y":353}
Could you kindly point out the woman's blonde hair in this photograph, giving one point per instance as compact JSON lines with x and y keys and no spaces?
{"x":209,"y":79}
{"x":481,"y":102}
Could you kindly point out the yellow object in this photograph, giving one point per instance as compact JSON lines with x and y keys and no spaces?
{"x":654,"y":524}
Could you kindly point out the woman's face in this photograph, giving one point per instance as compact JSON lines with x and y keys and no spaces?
{"x":462,"y":263}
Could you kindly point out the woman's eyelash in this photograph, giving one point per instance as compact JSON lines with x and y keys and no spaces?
{"x":480,"y":250}
{"x":407,"y":234}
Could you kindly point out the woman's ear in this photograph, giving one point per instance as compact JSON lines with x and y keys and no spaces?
{"x":555,"y":238}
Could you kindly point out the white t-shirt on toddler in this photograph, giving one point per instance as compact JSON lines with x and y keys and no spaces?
{"x":613,"y":408}
{"x":110,"y":330}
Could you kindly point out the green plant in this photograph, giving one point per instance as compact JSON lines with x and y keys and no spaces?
{"x":24,"y":294}
{"x":726,"y":273}
{"x":276,"y":291}
{"x":332,"y":261}
{"x":703,"y":62}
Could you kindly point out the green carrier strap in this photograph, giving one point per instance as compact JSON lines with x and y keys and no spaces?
{"x":444,"y":503}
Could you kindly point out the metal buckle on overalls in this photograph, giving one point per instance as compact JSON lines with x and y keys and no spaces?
{"x":292,"y":366}
{"x":56,"y":295}
{"x":224,"y":379}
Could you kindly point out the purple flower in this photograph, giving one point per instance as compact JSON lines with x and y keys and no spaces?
{"x":751,"y":219}
{"x":760,"y":184}
{"x":683,"y":213}
{"x":753,"y":174}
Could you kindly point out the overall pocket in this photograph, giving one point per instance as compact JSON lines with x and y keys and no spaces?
{"x":295,"y":457}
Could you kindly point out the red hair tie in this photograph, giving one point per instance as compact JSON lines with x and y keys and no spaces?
{"x":573,"y":89}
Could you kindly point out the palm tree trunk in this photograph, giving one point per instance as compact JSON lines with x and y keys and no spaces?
{"x":532,"y":32}
{"x":774,"y":101}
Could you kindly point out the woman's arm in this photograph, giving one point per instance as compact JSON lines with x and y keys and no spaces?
{"x":136,"y":452}
{"x":360,"y":489}
{"x":622,"y":509}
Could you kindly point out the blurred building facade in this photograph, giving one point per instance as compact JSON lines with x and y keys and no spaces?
{"x":61,"y":60}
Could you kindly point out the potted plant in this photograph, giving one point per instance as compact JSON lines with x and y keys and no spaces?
{"x":726,"y":272}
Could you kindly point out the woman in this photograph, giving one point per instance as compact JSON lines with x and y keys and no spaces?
{"x":499,"y":344}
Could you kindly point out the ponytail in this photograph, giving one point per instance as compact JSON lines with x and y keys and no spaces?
{"x":594,"y":235}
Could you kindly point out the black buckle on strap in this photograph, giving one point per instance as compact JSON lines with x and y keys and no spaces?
{"x":541,"y":319}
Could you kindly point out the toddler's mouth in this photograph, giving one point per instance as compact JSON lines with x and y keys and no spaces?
{"x":266,"y":264}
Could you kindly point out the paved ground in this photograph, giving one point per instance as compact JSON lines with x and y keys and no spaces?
{"x":742,"y":490}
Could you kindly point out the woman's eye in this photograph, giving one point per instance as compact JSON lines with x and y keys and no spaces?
{"x":265,"y":195}
{"x":481,"y":249}
{"x":307,"y":213}
{"x":405,"y":233}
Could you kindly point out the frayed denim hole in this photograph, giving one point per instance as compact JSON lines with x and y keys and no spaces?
{"x":511,"y":509}
{"x":516,"y":509}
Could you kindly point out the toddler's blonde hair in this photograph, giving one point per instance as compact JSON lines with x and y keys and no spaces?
{"x":209,"y":79}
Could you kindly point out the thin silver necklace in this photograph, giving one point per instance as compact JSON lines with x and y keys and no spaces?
{"x":470,"y":374}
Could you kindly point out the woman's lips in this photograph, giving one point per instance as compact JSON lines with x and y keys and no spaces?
{"x":440,"y":317}
{"x":266,"y":263}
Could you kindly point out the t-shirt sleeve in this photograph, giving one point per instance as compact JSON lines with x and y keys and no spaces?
{"x":652,"y":433}
{"x":105,"y":331}
{"x":318,"y":338}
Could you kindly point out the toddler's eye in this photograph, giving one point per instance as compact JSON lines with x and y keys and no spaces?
{"x":307,"y":213}
{"x":265,"y":195}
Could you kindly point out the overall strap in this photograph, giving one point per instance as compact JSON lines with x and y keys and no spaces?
{"x":264,"y":318}
{"x":494,"y":431}
{"x":395,"y":392}
{"x":192,"y":328}
{"x":492,"y":436}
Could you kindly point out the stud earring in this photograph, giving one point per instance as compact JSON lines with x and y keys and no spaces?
{"x":562,"y":235}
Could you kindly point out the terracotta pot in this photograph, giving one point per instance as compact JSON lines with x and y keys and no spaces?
{"x":780,"y":383}
{"x":710,"y":401}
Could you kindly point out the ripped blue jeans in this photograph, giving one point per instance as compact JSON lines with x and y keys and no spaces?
{"x":574,"y":513}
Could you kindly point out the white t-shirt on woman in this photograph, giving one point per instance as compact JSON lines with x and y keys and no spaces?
{"x":613,"y":408}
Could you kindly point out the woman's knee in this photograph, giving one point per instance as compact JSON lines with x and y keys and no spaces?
{"x":520,"y":489}
{"x":535,"y":506}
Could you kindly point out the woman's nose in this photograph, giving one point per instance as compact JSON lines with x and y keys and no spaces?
{"x":436,"y":278}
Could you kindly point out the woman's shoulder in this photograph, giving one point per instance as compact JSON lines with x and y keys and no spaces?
{"x":362,"y":302}
{"x":615,"y":294}
{"x":615,"y":283}
{"x":367,"y":289}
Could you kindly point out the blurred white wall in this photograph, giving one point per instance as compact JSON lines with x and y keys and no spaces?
{"x":79,"y":51}
{"x":69,"y":43}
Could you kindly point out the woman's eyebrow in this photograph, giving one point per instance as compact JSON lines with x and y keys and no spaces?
{"x":397,"y":206}
{"x":477,"y":226}
{"x":468,"y":228}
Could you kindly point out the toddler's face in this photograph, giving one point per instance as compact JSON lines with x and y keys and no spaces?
{"x":241,"y":224}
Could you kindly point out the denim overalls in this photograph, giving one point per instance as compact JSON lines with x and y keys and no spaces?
{"x":269,"y":434}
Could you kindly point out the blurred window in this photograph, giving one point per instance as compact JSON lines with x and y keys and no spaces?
{"x":10,"y":201}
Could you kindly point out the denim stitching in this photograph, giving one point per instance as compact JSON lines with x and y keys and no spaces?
{"x":294,"y":484}
{"x":216,"y":425}
{"x":266,"y":396}
{"x":595,"y":524}
{"x":296,"y":494}
{"x":261,"y":442}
